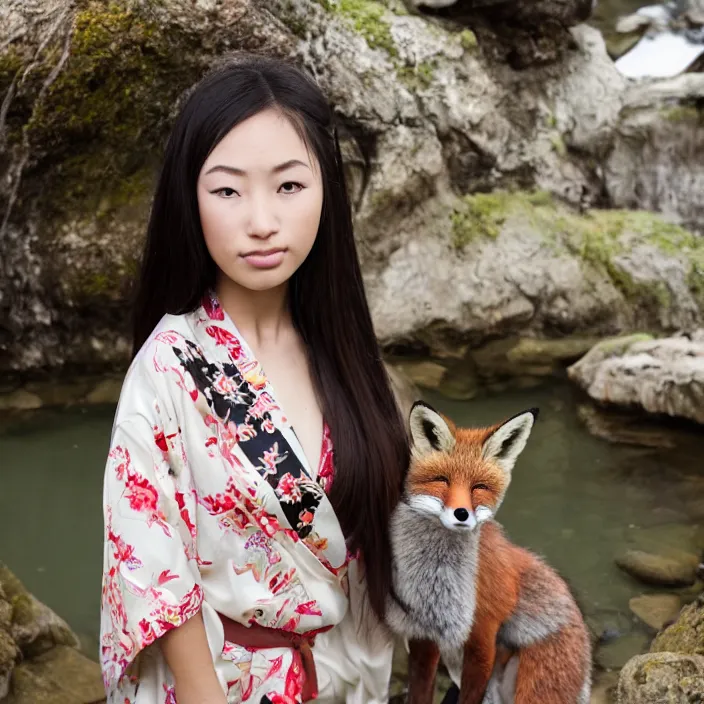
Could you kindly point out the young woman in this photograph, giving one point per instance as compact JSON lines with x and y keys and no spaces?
{"x":257,"y":449}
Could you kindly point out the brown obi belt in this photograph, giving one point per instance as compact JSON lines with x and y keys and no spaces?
{"x":256,"y":636}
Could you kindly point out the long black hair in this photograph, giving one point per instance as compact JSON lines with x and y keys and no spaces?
{"x":326,"y":293}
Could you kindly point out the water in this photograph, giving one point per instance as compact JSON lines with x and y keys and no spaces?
{"x":575,"y":499}
{"x":51,"y":474}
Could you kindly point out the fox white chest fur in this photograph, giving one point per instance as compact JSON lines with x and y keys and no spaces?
{"x":434,"y":579}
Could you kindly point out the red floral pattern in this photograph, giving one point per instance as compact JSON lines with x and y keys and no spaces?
{"x":180,"y":493}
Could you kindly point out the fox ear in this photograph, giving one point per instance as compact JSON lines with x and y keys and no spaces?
{"x":507,"y":442}
{"x":430,"y":432}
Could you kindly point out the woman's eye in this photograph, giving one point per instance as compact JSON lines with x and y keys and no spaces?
{"x":480,"y":486}
{"x":225,"y":192}
{"x":291,"y":187}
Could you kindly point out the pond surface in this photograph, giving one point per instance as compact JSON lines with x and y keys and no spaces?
{"x":575,"y":499}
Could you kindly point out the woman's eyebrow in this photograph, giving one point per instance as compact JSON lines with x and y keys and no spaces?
{"x":241,"y":172}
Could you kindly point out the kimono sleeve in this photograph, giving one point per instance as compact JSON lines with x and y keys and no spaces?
{"x":151,"y":583}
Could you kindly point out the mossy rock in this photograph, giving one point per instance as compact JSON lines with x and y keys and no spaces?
{"x":686,"y":635}
{"x":62,"y":676}
{"x":662,"y":677}
{"x":598,"y":237}
{"x":9,"y":655}
{"x":367,"y":17}
{"x":34,"y":626}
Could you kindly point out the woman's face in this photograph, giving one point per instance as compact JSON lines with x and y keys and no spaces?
{"x":260,"y":197}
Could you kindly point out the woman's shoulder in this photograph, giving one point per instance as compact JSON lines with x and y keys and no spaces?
{"x":156,"y":374}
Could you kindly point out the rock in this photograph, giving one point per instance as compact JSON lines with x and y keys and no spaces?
{"x":524,"y":357}
{"x":664,"y":376}
{"x":521,"y":261}
{"x":39,"y":658}
{"x":106,"y":392}
{"x":680,"y":541}
{"x":35,"y":628}
{"x":656,"y":609}
{"x":633,"y":23}
{"x":403,"y":388}
{"x":460,"y":383}
{"x":60,"y":676}
{"x":660,"y":133}
{"x":20,"y":400}
{"x":662,"y":677}
{"x":9,"y":652}
{"x":686,"y":635}
{"x":521,"y":32}
{"x":92,"y":157}
{"x":427,"y":374}
{"x":426,"y":113}
{"x":658,"y":569}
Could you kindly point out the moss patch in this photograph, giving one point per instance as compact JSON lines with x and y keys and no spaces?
{"x":686,"y":635}
{"x":417,"y":77}
{"x":683,"y":113}
{"x":123,"y":74}
{"x":597,"y":237}
{"x":558,"y":144}
{"x":468,"y":40}
{"x":483,"y":214}
{"x":367,"y":18}
{"x":11,"y":62}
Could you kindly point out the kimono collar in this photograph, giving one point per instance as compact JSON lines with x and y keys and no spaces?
{"x":239,"y":393}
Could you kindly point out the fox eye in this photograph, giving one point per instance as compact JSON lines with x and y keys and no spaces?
{"x":444,"y":480}
{"x":480,"y":486}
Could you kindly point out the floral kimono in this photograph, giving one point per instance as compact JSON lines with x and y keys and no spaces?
{"x":210,"y":504}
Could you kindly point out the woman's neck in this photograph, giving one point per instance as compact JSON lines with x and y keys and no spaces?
{"x":261,"y":316}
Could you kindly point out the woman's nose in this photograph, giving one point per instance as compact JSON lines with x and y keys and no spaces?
{"x":262,"y":219}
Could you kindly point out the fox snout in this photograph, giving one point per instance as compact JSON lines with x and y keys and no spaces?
{"x":452,"y":517}
{"x":464,"y":518}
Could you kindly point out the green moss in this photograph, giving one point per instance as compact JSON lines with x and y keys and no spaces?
{"x":123,"y":74}
{"x":11,"y":62}
{"x":686,"y":635}
{"x":558,"y":144}
{"x":618,"y":345}
{"x":23,"y":610}
{"x":597,"y":237}
{"x":482,"y":214}
{"x":367,"y":17}
{"x":417,"y":77}
{"x":113,"y":55}
{"x":468,"y":40}
{"x":682,"y":113}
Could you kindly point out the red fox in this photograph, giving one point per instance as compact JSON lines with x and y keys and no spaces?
{"x":504,"y":623}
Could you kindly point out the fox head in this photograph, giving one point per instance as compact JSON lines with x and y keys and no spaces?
{"x":461,"y":475}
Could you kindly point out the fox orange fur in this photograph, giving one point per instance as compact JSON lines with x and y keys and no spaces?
{"x":504,"y":623}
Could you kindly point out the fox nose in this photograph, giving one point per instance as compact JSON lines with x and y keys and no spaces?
{"x":461,"y":514}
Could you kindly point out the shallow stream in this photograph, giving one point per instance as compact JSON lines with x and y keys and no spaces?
{"x":575,"y":499}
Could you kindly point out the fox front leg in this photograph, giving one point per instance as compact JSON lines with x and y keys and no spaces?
{"x":478,"y":662}
{"x":423,"y":658}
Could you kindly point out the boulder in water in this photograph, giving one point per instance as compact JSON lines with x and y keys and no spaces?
{"x":662,"y":376}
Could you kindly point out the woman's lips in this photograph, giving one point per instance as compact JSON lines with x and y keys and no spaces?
{"x":265,"y":258}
